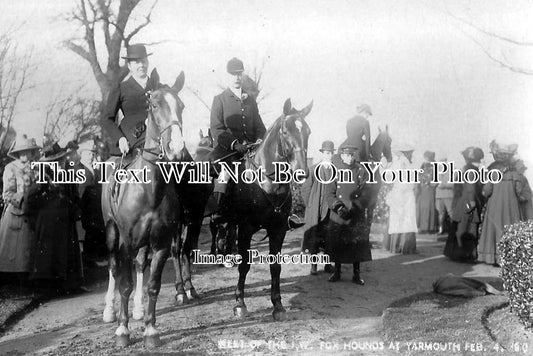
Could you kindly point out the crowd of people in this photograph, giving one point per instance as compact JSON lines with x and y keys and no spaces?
{"x":50,"y":231}
{"x":42,"y":224}
{"x":474,"y":215}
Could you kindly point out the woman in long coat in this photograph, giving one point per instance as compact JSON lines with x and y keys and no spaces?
{"x":54,"y":210}
{"x":502,"y":206}
{"x":401,"y":235}
{"x":467,"y":205}
{"x":426,"y":211}
{"x":316,"y":206}
{"x":348,"y":230}
{"x":16,"y":237}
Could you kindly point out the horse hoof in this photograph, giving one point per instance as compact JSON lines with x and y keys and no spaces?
{"x":109,"y":316}
{"x":138,"y":314}
{"x":279,"y":315}
{"x":122,"y":340}
{"x":192,"y":294}
{"x":240,"y":311}
{"x":152,"y":341}
{"x":181,"y":299}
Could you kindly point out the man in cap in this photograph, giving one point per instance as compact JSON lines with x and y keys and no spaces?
{"x":130,"y":97}
{"x":316,"y":207}
{"x":348,"y":231}
{"x":235,"y":122}
{"x":358,"y":130}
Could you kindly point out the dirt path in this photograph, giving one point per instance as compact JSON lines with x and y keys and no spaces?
{"x":322,"y":317}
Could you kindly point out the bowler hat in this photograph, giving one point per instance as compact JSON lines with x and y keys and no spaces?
{"x":327,"y":146}
{"x":235,"y":66}
{"x":24,"y":144}
{"x":53,"y":152}
{"x":364,"y":108}
{"x":136,"y":51}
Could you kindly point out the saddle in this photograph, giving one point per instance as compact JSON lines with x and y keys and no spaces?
{"x":123,"y":162}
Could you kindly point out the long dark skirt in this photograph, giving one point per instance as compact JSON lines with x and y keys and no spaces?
{"x":462,"y":242}
{"x":348,"y":243}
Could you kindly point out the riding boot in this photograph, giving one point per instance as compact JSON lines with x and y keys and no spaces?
{"x":357,"y":275}
{"x":314,"y":271}
{"x":294,"y":222}
{"x":218,"y":215}
{"x":337,"y":274}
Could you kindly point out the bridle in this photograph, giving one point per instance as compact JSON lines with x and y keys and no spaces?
{"x":159,"y":150}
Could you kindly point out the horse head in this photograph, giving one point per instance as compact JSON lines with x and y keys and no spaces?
{"x":382,"y":145}
{"x":294,"y":135}
{"x":165,"y":123}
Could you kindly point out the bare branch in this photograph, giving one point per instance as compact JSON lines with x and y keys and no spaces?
{"x":499,"y":61}
{"x":199,"y":97}
{"x":491,"y":34}
{"x":141,"y":26}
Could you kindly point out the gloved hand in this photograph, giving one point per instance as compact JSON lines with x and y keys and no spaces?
{"x":239,"y":147}
{"x":123,"y":145}
{"x":344,"y":213}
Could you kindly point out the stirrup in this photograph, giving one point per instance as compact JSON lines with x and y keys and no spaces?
{"x":294,"y":222}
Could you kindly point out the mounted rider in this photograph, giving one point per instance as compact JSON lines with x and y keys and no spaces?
{"x":358,"y":131}
{"x":130,"y":97}
{"x":235,"y":124}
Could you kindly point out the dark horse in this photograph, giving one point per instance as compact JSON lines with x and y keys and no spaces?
{"x":268,"y":204}
{"x":143,"y":218}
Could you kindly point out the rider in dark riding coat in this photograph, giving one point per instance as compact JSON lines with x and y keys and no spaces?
{"x":130,"y":96}
{"x":358,"y":130}
{"x":235,"y":122}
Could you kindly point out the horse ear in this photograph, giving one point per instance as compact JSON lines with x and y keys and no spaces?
{"x":180,"y":81}
{"x":201,"y":133}
{"x":387,"y":128}
{"x":287,"y":107}
{"x":305,"y":111}
{"x":209,"y":133}
{"x":154,"y":79}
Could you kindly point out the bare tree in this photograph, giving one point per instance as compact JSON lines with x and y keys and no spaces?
{"x":14,"y":71}
{"x":109,"y":18}
{"x":500,"y":58}
{"x":71,"y":117}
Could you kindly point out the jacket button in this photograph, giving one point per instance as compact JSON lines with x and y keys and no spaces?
{"x":340,"y":196}
{"x":242,"y":109}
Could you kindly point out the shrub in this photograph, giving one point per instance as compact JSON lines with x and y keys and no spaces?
{"x":516,"y":251}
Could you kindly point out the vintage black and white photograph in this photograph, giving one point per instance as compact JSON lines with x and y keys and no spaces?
{"x":318,"y":177}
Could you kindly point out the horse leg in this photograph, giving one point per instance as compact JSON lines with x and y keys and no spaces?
{"x":275,"y":242}
{"x":245,"y":237}
{"x":231,"y":235}
{"x":176,"y":249}
{"x":151,"y":334}
{"x":213,"y":229}
{"x":191,"y":240}
{"x":109,"y":314}
{"x":125,"y":288}
{"x":140,"y":266}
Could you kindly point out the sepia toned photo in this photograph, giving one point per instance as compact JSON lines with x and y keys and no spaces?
{"x":266,"y":177}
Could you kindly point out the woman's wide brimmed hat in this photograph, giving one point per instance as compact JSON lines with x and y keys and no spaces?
{"x":403,"y":147}
{"x":24,"y":144}
{"x":53,"y":152}
{"x":136,"y":51}
{"x":502,"y":152}
{"x":473,"y":154}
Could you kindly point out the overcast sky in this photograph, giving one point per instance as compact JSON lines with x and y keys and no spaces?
{"x":409,"y":60}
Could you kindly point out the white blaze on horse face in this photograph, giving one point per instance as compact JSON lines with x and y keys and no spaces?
{"x":176,"y":137}
{"x":298,"y":125}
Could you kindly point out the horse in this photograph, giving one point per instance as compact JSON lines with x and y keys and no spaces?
{"x":267,"y":204}
{"x":143,"y":218}
{"x":381,"y":147}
